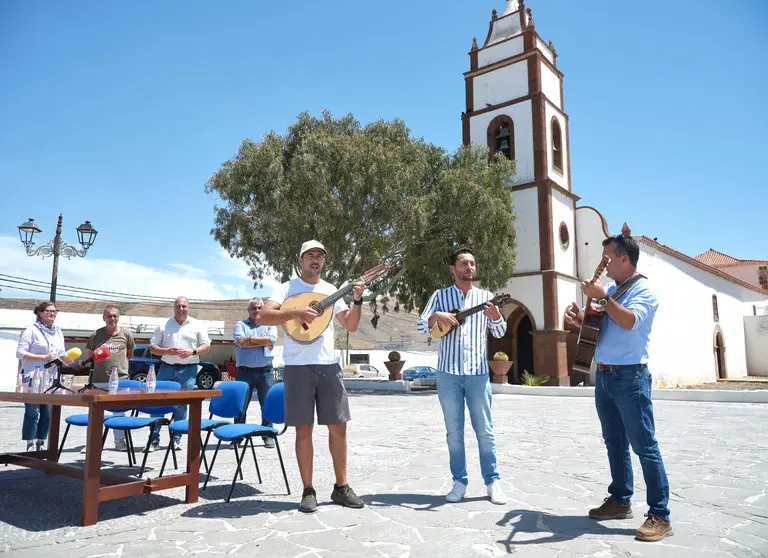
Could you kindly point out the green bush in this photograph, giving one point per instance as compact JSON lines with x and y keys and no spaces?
{"x":394,"y":356}
{"x":531,"y":380}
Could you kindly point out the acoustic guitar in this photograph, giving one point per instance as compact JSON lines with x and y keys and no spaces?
{"x":440,"y":330}
{"x":590,"y":328}
{"x":304,"y":332}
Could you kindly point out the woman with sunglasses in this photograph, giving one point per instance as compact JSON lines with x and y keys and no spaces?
{"x":40,"y":343}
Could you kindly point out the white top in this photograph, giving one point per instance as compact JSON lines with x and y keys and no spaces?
{"x":319,"y":351}
{"x":188,"y":335}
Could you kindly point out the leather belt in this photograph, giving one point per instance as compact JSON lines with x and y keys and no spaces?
{"x":179,"y":364}
{"x":604,"y":367}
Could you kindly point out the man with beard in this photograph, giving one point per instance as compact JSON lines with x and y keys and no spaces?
{"x":312,"y":375}
{"x":463,"y":372}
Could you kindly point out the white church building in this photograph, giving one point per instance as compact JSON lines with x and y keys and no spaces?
{"x":709,"y":324}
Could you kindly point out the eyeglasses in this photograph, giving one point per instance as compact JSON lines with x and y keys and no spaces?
{"x":50,"y":311}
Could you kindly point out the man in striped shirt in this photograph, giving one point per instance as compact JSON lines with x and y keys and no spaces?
{"x":463,"y":371}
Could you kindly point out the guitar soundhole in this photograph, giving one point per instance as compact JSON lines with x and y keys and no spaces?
{"x":316,"y":307}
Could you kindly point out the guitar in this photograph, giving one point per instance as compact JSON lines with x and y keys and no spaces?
{"x":304,"y":332}
{"x":440,"y":330}
{"x":590,"y":328}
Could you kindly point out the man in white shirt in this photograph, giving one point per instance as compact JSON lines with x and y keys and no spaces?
{"x":312,"y":375}
{"x":179,"y":343}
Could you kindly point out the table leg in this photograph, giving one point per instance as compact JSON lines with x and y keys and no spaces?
{"x":53,"y":434}
{"x":193,"y":450}
{"x":91,"y":476}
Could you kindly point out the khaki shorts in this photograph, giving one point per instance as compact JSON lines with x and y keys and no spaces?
{"x":310,"y":386}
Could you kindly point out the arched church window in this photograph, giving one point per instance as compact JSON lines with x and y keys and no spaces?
{"x":715,"y":311}
{"x":557,"y":145}
{"x":501,"y":136}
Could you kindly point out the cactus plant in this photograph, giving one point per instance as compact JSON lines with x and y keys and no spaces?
{"x":500,"y":356}
{"x":394,"y":356}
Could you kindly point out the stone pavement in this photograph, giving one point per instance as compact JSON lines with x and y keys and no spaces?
{"x":552,"y":462}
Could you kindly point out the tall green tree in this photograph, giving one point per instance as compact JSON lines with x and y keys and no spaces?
{"x":367,"y":192}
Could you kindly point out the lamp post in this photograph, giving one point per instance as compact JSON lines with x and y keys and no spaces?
{"x":86,"y":234}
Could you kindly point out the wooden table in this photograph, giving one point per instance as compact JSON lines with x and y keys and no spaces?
{"x":115,"y":486}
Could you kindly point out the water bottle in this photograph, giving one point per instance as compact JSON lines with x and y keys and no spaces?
{"x":114,"y":380}
{"x":36,"y":381}
{"x":47,"y":378}
{"x":20,"y":382}
{"x":151,"y":379}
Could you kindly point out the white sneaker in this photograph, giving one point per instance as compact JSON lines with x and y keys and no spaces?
{"x":42,"y":447}
{"x":457,"y":493}
{"x":177,"y":445}
{"x":30,"y":445}
{"x":496,"y":494}
{"x":122,"y":445}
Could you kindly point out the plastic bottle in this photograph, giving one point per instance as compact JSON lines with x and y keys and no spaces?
{"x":151,"y":379}
{"x":20,"y":382}
{"x":35,"y":386}
{"x":114,"y":380}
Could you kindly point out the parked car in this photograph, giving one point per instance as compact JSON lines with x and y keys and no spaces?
{"x":360,"y":371}
{"x":421,"y":375}
{"x":138,"y":366}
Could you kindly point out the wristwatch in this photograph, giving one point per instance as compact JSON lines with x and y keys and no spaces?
{"x":194,"y":351}
{"x":603,"y":302}
{"x":357,"y":302}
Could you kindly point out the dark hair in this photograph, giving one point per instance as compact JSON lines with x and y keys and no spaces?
{"x":458,"y":251}
{"x":108,"y":306}
{"x":40,"y":308}
{"x":625,"y":245}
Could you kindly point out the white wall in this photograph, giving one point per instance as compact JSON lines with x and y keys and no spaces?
{"x":501,"y":51}
{"x":521,"y":115}
{"x":561,"y":178}
{"x":589,"y":236}
{"x":545,"y":50}
{"x":411,"y":358}
{"x":562,"y":211}
{"x":568,"y":291}
{"x":529,"y":292}
{"x":501,"y":84}
{"x":526,"y":203}
{"x":756,"y":333}
{"x":504,"y":27}
{"x":550,"y":85}
{"x":681,"y":349}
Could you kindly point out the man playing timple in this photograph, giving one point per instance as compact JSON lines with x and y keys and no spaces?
{"x":179,"y":343}
{"x":623,"y":388}
{"x":254,"y":365}
{"x":120,"y":343}
{"x":312,"y":375}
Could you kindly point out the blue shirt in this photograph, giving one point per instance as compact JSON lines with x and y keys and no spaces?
{"x":254,"y":357}
{"x":616,"y":345}
{"x":39,"y":340}
{"x":465,"y":349}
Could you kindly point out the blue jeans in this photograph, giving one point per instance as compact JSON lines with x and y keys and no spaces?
{"x":623,"y":402}
{"x":187,"y":377}
{"x":37,"y":421}
{"x":260,"y":379}
{"x":453,"y":390}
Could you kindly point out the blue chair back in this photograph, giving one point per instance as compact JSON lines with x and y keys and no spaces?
{"x":126,"y":384}
{"x":231,"y":401}
{"x":274,"y":405}
{"x":160,"y":411}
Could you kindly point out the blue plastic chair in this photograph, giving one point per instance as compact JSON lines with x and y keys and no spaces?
{"x":228,"y":405}
{"x":156,"y":417}
{"x":82,"y":419}
{"x":274,"y":412}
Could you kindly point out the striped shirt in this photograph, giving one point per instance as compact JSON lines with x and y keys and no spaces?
{"x":464,"y":350}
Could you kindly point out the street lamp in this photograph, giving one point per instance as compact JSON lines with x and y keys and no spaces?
{"x":86,"y":235}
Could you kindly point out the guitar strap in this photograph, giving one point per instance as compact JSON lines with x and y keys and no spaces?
{"x":618,"y":293}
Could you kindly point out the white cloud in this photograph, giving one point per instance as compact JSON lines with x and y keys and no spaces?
{"x":223,"y":277}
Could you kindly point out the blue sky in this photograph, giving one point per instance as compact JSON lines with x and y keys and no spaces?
{"x":119,"y":112}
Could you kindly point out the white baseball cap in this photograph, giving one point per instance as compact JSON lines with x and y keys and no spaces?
{"x":309,"y":244}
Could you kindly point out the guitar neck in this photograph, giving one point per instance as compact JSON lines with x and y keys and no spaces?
{"x":469,"y":311}
{"x":331,"y":299}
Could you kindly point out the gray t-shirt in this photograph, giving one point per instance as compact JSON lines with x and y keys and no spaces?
{"x":118,"y":346}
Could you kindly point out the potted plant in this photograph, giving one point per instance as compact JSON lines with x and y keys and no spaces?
{"x":531,"y":380}
{"x":500,"y":366}
{"x":394,"y":365}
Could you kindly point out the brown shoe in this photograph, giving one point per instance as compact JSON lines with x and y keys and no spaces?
{"x":611,"y":510}
{"x":654,"y":529}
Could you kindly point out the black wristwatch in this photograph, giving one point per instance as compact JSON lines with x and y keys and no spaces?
{"x":357,"y":302}
{"x":603,"y":302}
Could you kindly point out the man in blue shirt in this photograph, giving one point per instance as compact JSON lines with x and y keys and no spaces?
{"x":623,"y":388}
{"x":254,"y":359}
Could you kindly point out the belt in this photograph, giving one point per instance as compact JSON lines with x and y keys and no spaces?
{"x":604,"y":367}
{"x":178,"y":364}
{"x":259,"y":368}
